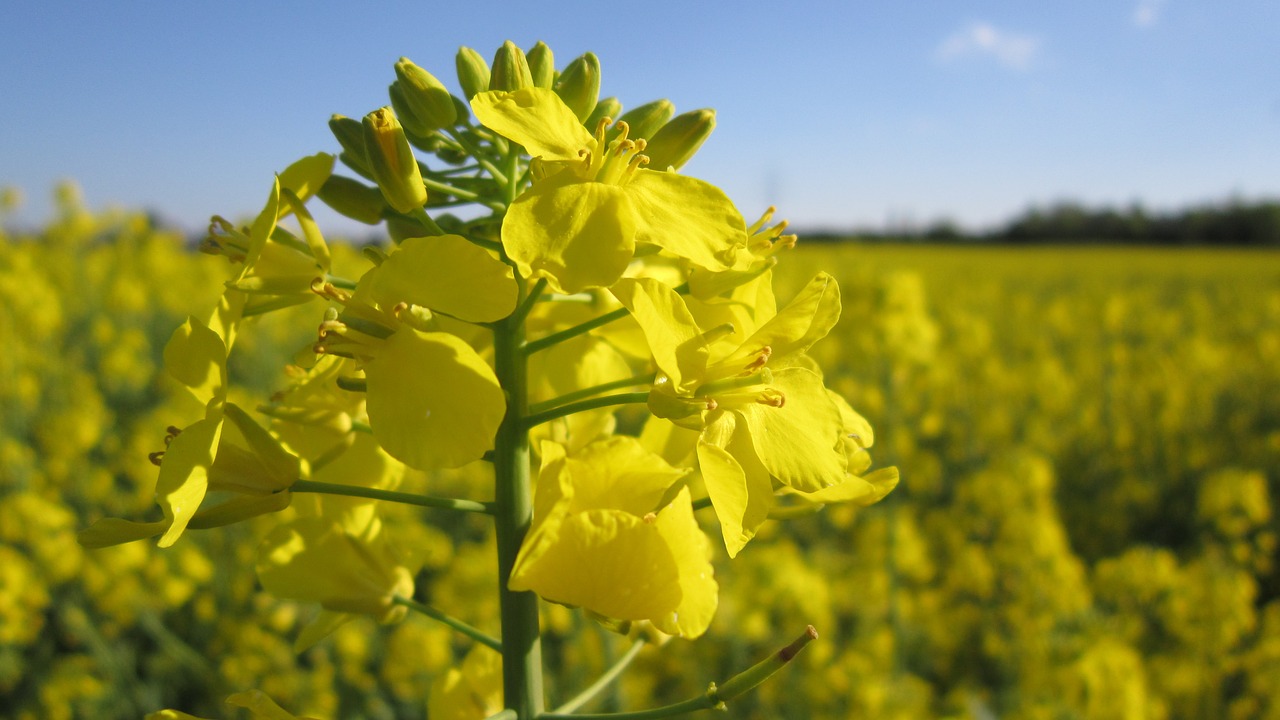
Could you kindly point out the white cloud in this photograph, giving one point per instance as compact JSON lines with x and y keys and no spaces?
{"x":1013,"y":50}
{"x":1147,"y":12}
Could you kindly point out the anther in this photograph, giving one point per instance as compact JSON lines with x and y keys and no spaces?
{"x":761,"y":359}
{"x":156,"y":458}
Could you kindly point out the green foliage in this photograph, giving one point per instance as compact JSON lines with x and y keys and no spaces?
{"x":1085,"y":527}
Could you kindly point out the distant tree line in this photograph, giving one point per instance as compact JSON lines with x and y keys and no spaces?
{"x":1235,"y":223}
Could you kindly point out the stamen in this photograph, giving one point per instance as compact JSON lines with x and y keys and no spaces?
{"x":772,"y":398}
{"x":156,"y":458}
{"x":761,"y":359}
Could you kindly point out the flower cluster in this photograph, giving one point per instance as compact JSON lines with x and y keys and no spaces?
{"x":588,"y":264}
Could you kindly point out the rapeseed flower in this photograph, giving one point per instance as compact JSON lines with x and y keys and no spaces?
{"x":592,"y":201}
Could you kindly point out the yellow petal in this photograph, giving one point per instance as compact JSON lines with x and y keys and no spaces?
{"x":197,"y":358}
{"x":800,"y":443}
{"x":687,"y":217}
{"x":432,"y":401}
{"x":313,"y":559}
{"x":699,"y":593}
{"x":447,"y":274}
{"x":805,"y":320}
{"x":673,"y":337}
{"x":740,"y":492}
{"x":115,"y":531}
{"x":576,"y":234}
{"x":184,"y":474}
{"x":536,"y":118}
{"x":607,"y":561}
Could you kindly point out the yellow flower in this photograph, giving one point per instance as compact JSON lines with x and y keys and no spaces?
{"x":472,"y":693}
{"x":592,"y":201}
{"x":609,"y":536}
{"x":348,"y":571}
{"x":432,"y":400}
{"x":258,"y":703}
{"x":762,"y":413}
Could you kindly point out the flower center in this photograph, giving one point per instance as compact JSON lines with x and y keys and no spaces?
{"x":618,"y":161}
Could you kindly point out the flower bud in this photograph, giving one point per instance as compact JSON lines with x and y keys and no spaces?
{"x":510,"y":69}
{"x":678,"y":140}
{"x":473,"y":72}
{"x":609,"y":107}
{"x":542,"y":65}
{"x":426,"y":97}
{"x":353,"y":199}
{"x":579,"y":85}
{"x":391,"y":161}
{"x":645,"y":120}
{"x":350,"y":136}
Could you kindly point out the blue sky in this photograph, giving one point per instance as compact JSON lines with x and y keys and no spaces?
{"x":843,"y":113}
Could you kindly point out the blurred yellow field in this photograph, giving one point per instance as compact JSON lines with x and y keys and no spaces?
{"x":1089,"y":441}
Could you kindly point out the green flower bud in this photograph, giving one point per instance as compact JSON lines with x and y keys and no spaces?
{"x":473,"y":72}
{"x":645,"y":120}
{"x":353,"y":199}
{"x":510,"y":69}
{"x":542,"y":65}
{"x":579,"y":85}
{"x":350,"y":136}
{"x":427,"y":98}
{"x":678,"y":140}
{"x":413,"y":125}
{"x":609,"y":107}
{"x":391,"y":161}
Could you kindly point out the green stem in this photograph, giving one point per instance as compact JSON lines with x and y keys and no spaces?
{"x":420,"y":214}
{"x":497,"y":175}
{"x":392,"y":496}
{"x":645,"y":379}
{"x":448,"y":189}
{"x":522,"y":312}
{"x":547,"y":341}
{"x":513,"y":505}
{"x":474,"y":633}
{"x":603,"y":681}
{"x":591,"y":404}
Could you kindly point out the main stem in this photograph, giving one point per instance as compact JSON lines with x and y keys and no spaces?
{"x":513,"y":510}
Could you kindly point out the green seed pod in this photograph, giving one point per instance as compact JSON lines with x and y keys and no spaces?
{"x":391,"y":161}
{"x":678,"y":140}
{"x":473,"y":72}
{"x":350,"y":136}
{"x":542,"y":65}
{"x":645,"y":120}
{"x":609,"y":107}
{"x":427,"y":98}
{"x":353,"y":199}
{"x":579,"y":85}
{"x":510,"y":69}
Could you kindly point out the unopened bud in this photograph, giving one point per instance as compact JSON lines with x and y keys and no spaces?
{"x":510,"y":69}
{"x":350,"y":136}
{"x":391,"y":161}
{"x":676,"y":142}
{"x":645,"y":120}
{"x":473,"y":72}
{"x":609,"y":107}
{"x":542,"y":65}
{"x":426,"y":97}
{"x":353,"y":199}
{"x":579,"y":85}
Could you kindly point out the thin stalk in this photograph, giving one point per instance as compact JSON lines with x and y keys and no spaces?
{"x":472,"y":632}
{"x":447,"y":189}
{"x":301,"y":486}
{"x":420,"y":214}
{"x":522,"y":312}
{"x":591,"y":404}
{"x":715,"y":697}
{"x":513,"y":501}
{"x":645,"y":379}
{"x":474,"y":151}
{"x":604,"y":680}
{"x":547,"y":341}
